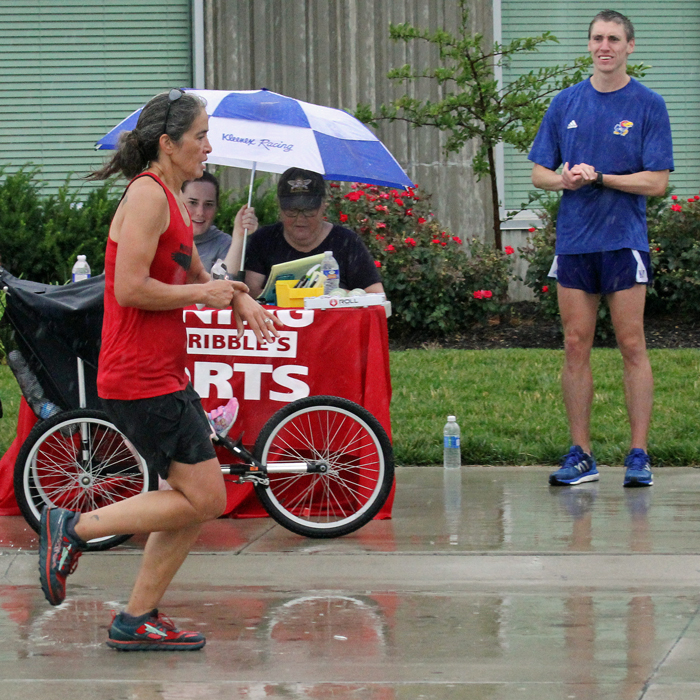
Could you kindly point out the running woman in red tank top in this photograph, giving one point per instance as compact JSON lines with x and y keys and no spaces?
{"x":153,"y":271}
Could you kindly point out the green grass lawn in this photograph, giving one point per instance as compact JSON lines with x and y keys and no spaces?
{"x":508,"y":404}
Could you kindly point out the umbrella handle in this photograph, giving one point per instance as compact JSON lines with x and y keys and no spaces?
{"x":245,"y":234}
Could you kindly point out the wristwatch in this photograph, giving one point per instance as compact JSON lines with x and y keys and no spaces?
{"x":599,"y":179}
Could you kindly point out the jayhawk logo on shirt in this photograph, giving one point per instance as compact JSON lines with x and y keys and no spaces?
{"x":623,"y":127}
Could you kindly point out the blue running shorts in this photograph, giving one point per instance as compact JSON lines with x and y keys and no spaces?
{"x":603,"y":273}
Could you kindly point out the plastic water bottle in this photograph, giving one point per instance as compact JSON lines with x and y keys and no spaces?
{"x":30,"y":386}
{"x":452,"y":453}
{"x":331,"y":271}
{"x":452,"y":492}
{"x":219,"y":270}
{"x":81,"y":269}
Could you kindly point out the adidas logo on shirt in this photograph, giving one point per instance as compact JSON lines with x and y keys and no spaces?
{"x":572,"y":125}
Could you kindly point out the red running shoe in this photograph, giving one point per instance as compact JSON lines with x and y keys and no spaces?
{"x":151,"y":632}
{"x":58,"y":553}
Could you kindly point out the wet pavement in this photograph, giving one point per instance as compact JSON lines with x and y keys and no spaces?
{"x":486,"y":584}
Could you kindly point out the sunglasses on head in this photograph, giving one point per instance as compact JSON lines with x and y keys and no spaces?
{"x":173,"y":95}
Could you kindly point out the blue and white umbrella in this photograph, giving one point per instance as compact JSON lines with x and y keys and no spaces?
{"x":259,"y":129}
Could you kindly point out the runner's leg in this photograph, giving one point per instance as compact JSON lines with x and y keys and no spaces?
{"x":202,"y":498}
{"x":165,"y":551}
{"x":578,"y":311}
{"x":627,"y":313}
{"x":173,"y":519}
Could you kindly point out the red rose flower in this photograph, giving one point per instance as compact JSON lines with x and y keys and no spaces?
{"x":691,"y":199}
{"x":409,"y":212}
{"x":381,"y":224}
{"x":381,"y":207}
{"x":335,"y":184}
{"x":343,"y":217}
{"x":379,"y":238}
{"x":377,"y":263}
{"x":545,"y":289}
{"x":384,"y":195}
{"x":532,"y":229}
{"x":658,"y":250}
{"x":398,"y":201}
{"x":410,"y":242}
{"x":390,"y":248}
{"x":674,"y":197}
{"x":435,"y":240}
{"x":676,"y":207}
{"x":486,"y":293}
{"x":354,"y":196}
{"x":421,"y":220}
{"x":509,"y":250}
{"x":457,"y":239}
{"x":443,"y":243}
{"x":478,"y":294}
{"x":696,"y":197}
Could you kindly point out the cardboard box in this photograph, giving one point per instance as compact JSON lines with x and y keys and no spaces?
{"x":290,"y":297}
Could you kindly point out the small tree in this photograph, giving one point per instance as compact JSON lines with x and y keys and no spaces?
{"x":472,"y":106}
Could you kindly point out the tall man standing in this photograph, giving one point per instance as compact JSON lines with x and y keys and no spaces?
{"x":613,"y":137}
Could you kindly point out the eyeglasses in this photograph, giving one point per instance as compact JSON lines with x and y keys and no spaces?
{"x":173,"y":95}
{"x":295,"y":213}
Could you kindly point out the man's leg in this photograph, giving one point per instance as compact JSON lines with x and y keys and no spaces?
{"x":627,"y":313}
{"x":578,"y":311}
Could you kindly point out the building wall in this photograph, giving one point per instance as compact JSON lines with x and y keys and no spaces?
{"x":337,"y":53}
{"x":71,"y":70}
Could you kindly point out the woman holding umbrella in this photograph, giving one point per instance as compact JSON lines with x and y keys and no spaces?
{"x":303,"y":231}
{"x":152,"y":271}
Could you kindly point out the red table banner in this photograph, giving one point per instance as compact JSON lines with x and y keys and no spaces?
{"x":343,"y":352}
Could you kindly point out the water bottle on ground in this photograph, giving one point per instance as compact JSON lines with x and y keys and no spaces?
{"x":452,"y":452}
{"x":330,"y":270}
{"x":30,"y":386}
{"x":81,"y":269}
{"x":219,"y":270}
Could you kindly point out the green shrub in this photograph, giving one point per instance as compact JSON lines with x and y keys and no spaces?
{"x":674,"y":235}
{"x":539,"y":253}
{"x":436,"y":284}
{"x":40,"y":236}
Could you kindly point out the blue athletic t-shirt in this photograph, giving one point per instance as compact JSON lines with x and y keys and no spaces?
{"x":621,"y":132}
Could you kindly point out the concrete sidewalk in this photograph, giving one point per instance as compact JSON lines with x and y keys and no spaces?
{"x":487,"y":583}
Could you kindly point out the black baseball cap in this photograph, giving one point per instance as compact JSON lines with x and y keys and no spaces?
{"x":301,"y":189}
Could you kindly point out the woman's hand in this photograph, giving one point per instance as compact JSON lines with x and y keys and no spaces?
{"x":218,"y":294}
{"x":245,"y":221}
{"x":259,"y":320}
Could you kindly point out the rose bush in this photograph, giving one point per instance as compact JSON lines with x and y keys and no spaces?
{"x":430,"y":276}
{"x":674,"y":236}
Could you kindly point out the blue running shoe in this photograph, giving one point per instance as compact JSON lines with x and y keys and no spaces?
{"x":577,"y":467}
{"x":58,"y":553}
{"x":638,"y":469}
{"x":151,"y":632}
